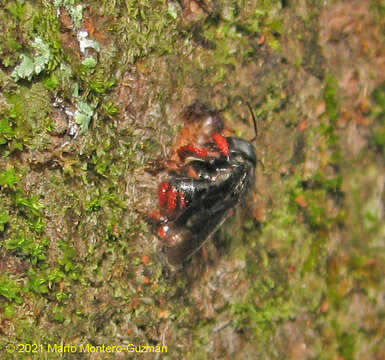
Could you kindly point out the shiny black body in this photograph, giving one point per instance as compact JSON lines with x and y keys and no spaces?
{"x":222,"y":182}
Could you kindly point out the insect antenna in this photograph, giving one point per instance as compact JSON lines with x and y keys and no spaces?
{"x":255,"y":129}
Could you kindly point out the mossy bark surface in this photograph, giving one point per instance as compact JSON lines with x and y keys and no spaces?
{"x":91,"y":98}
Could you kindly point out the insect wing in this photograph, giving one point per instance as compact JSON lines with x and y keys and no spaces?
{"x":197,"y":229}
{"x":205,"y":215}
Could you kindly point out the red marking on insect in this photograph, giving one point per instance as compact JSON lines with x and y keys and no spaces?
{"x":199,"y":123}
{"x":162,"y":193}
{"x":221,"y":143}
{"x":191,"y":173}
{"x":155,"y":215}
{"x":184,"y":151}
{"x":162,"y":231}
{"x":208,"y":180}
{"x":172,"y":195}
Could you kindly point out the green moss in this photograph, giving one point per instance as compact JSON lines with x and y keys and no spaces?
{"x":377,"y":8}
{"x":145,"y":25}
{"x":378,"y":112}
{"x":6,"y":131}
{"x":87,"y":267}
{"x":51,"y":82}
{"x":9,"y":289}
{"x":30,"y":207}
{"x":330,"y":98}
{"x":4,"y":218}
{"x":37,"y":282}
{"x":379,"y":139}
{"x":347,"y":345}
{"x":230,"y":32}
{"x":68,"y":261}
{"x":8,"y":310}
{"x":275,"y":308}
{"x":10,"y":14}
{"x":58,"y":314}
{"x":11,"y":138}
{"x":9,"y":178}
{"x":24,"y":229}
{"x":41,"y":30}
{"x":28,"y":245}
{"x":99,"y":84}
{"x":30,"y":107}
{"x":311,"y":199}
{"x":110,"y":109}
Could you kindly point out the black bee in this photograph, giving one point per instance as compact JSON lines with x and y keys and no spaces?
{"x":199,"y":196}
